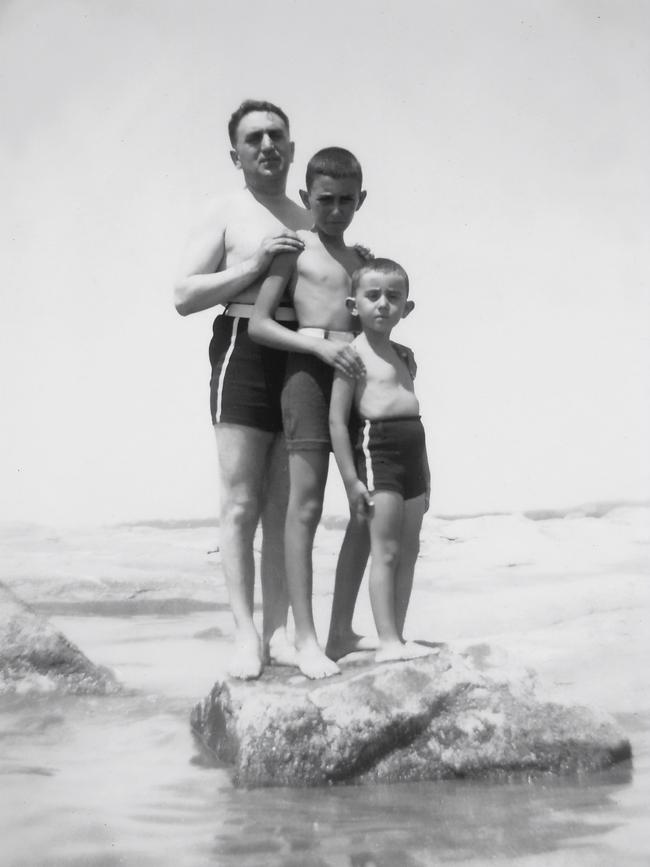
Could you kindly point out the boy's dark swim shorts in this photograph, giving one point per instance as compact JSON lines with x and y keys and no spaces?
{"x":390,"y":455}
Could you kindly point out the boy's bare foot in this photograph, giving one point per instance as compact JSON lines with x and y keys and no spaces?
{"x":341,"y":645}
{"x":314,"y":664}
{"x":280,"y":651}
{"x":247,"y":662}
{"x":407,"y":650}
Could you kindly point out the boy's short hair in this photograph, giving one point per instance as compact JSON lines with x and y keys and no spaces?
{"x":335,"y":163}
{"x":382,"y":266}
{"x":247,"y":106}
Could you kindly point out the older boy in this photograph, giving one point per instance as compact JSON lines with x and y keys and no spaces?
{"x":387,"y":475}
{"x":318,"y":282}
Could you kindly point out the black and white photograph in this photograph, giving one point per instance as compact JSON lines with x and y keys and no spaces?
{"x":325,"y":466}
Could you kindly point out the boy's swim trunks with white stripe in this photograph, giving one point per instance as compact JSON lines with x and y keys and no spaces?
{"x":390,"y":455}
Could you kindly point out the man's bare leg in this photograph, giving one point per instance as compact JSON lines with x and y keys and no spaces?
{"x":243,"y":453}
{"x":308,"y":474}
{"x":275,"y":598}
{"x":351,"y":565}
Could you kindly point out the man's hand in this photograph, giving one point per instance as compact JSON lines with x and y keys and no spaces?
{"x":360,"y":500}
{"x":283,"y":241}
{"x":342,"y":357}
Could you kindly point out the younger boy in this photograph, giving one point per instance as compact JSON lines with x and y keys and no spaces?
{"x":386,"y":474}
{"x":318,"y":282}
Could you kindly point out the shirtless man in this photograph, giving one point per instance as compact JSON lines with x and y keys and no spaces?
{"x":226,"y":259}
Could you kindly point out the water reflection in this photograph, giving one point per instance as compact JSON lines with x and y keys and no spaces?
{"x":114,"y":780}
{"x":408,"y":824}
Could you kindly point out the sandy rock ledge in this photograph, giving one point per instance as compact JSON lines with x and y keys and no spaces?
{"x":37,"y":658}
{"x":434,"y":718}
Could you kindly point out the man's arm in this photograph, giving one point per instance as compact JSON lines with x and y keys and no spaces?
{"x":339,"y":416}
{"x":263,"y":328}
{"x":200,"y":285}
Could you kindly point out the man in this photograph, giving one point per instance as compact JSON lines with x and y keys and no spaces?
{"x":225,"y":261}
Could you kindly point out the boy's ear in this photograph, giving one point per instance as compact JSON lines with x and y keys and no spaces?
{"x":362,"y":198}
{"x":408,"y":308}
{"x":234,"y":156}
{"x":304,"y":198}
{"x":351,"y":304}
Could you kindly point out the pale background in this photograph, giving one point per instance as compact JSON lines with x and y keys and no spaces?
{"x":505,"y":148}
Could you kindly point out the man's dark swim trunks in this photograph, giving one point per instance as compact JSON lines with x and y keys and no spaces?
{"x":247,"y":378}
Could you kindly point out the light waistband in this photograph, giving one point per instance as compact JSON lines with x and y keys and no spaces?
{"x":328,"y":334}
{"x":245,"y":311}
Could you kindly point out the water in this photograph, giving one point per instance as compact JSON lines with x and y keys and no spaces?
{"x":117,"y":781}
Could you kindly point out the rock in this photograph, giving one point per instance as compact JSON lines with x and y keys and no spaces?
{"x":428,"y":719}
{"x":35,"y":657}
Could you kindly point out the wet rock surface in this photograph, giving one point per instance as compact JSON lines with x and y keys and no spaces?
{"x":434,"y":718}
{"x":36,"y":657}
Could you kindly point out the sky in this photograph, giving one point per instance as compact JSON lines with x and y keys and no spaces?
{"x":504,"y":148}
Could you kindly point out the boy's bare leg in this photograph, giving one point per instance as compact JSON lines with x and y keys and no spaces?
{"x":243,"y":453}
{"x":308,"y":474}
{"x":275,"y":599}
{"x":409,"y":549}
{"x":351,"y":565}
{"x":385,"y":542}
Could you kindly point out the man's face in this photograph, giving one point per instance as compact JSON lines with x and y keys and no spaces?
{"x":333,"y":202}
{"x":262,"y":145}
{"x":381,"y":300}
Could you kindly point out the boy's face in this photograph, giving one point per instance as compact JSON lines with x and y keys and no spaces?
{"x":380,"y":301}
{"x":333,"y":203}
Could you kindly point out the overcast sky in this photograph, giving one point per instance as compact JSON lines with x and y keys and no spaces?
{"x":505,"y":151}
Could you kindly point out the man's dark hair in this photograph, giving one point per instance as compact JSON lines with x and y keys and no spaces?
{"x":381,"y":266}
{"x":247,"y":106}
{"x":335,"y":163}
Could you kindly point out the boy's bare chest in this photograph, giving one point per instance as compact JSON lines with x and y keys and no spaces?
{"x":387,"y":373}
{"x":320,"y":270}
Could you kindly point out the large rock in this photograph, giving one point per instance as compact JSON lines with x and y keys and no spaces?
{"x":429,"y":719}
{"x":35,"y":657}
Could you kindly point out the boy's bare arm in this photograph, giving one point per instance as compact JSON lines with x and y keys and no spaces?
{"x":263,"y":328}
{"x":339,"y":415}
{"x":199,"y":285}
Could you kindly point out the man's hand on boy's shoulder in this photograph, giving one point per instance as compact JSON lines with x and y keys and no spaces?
{"x":282,"y":241}
{"x":406,"y":354}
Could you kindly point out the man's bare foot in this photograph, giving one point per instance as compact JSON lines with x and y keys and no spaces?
{"x":314,"y":664}
{"x":280,"y":651}
{"x":341,"y":645}
{"x":247,"y":660}
{"x":399,"y":650}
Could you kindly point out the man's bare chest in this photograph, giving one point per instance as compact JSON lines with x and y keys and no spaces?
{"x":247,"y":228}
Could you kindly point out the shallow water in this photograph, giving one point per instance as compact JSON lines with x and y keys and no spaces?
{"x":117,"y":780}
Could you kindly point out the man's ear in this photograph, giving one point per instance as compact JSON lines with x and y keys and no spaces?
{"x":234,"y":156}
{"x":292,"y":151}
{"x":304,"y":198}
{"x":408,"y":308}
{"x":351,"y":304}
{"x":362,"y":198}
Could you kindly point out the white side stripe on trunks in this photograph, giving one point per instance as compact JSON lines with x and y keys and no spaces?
{"x":222,"y":375}
{"x":370,"y":479}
